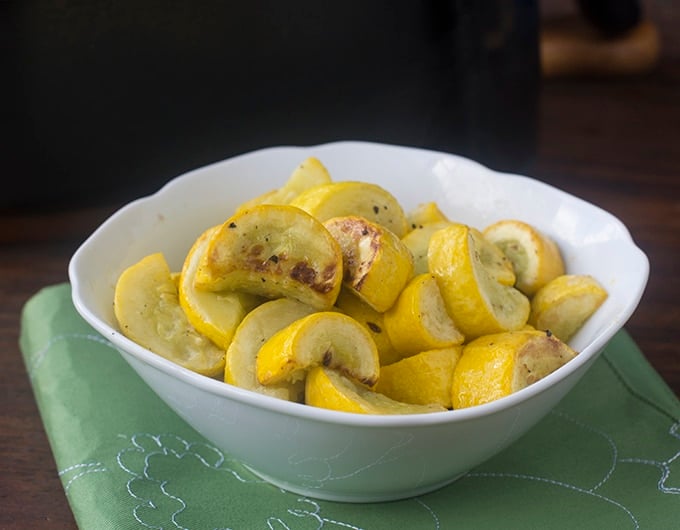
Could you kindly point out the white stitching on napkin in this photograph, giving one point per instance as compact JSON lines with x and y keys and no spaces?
{"x":37,"y":358}
{"x":431,"y":511}
{"x":315,"y":514}
{"x":609,"y":439}
{"x":159,"y":447}
{"x":149,"y":445}
{"x":559,"y":484}
{"x":663,"y":465}
{"x":87,"y":468}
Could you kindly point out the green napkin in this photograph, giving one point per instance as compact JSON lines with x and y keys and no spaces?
{"x":608,"y":456}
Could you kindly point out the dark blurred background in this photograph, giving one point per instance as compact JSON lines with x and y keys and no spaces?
{"x":114,"y":98}
{"x":110,"y":99}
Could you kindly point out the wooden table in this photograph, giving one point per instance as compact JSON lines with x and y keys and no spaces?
{"x":613,"y":142}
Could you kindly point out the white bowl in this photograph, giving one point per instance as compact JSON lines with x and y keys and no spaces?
{"x":343,"y":456}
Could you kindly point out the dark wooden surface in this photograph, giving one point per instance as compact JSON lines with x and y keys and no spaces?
{"x":614,"y":142}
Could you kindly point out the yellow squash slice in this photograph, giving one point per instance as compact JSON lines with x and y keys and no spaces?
{"x":364,"y":199}
{"x":423,"y":379}
{"x":256,"y":328}
{"x":353,"y":306}
{"x":535,"y":257}
{"x":493,"y":259}
{"x":418,"y":241}
{"x":274,"y":251}
{"x":376,"y":264}
{"x":214,"y":314}
{"x":425,"y":213}
{"x":564,"y":304}
{"x":418,"y":321}
{"x":146,"y":305}
{"x":325,"y":338}
{"x":308,"y":174}
{"x":496,"y":365}
{"x":327,"y":388}
{"x":475,"y":299}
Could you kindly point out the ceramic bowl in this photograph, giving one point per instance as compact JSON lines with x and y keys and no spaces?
{"x":343,"y":456}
